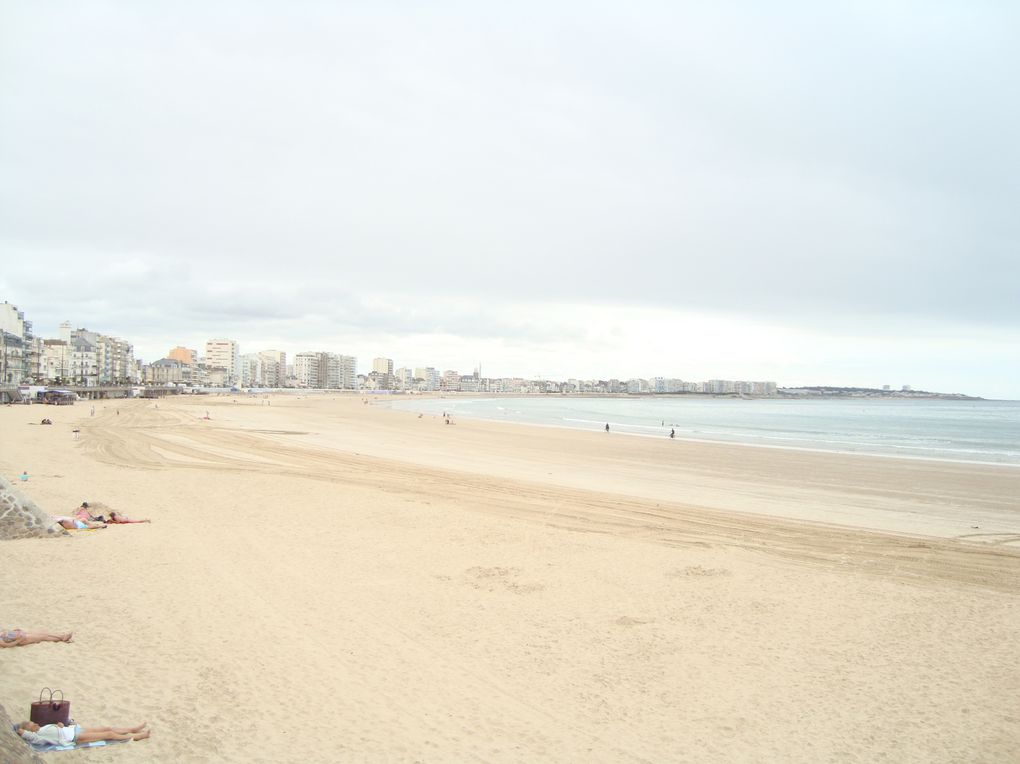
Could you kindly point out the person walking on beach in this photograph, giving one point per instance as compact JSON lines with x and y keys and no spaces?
{"x":672,"y":433}
{"x":607,"y":426}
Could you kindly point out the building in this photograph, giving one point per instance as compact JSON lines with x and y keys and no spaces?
{"x":18,"y":356}
{"x":115,"y":361}
{"x":165,"y":371}
{"x":429,"y":378}
{"x":450,"y":381}
{"x":223,"y":354}
{"x":54,"y":362}
{"x":183,"y":355}
{"x":329,"y":371}
{"x":274,"y":368}
{"x":404,"y":378}
{"x":382,"y":365}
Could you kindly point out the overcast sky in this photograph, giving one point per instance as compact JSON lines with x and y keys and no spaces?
{"x":792,"y":191}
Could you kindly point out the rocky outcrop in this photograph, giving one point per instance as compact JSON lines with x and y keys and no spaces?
{"x":14,"y":750}
{"x":21,"y":518}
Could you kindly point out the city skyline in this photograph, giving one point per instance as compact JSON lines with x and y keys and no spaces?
{"x":89,"y":358}
{"x":816,"y":195}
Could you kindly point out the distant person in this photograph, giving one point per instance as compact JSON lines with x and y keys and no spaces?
{"x":24,"y":476}
{"x":77,"y":433}
{"x":607,"y":426}
{"x":74,"y":734}
{"x":19,"y":638}
{"x":672,"y":433}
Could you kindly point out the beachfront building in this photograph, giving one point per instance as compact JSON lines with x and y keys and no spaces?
{"x":251,"y":370}
{"x":321,"y":370}
{"x":404,"y":378}
{"x":274,"y":368}
{"x":54,"y":362}
{"x":263,"y":369}
{"x":450,"y":381}
{"x":18,"y":354}
{"x":472,"y":383}
{"x":183,"y":355}
{"x":223,"y":360}
{"x":115,"y":361}
{"x":381,"y":375}
{"x":166,"y":371}
{"x":429,"y":377}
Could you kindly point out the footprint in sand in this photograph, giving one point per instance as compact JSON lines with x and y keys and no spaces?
{"x":626,"y":620}
{"x":506,"y":578}
{"x":697,"y":570}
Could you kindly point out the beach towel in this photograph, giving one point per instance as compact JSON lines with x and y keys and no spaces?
{"x":44,"y":747}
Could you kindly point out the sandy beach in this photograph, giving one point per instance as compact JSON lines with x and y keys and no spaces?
{"x":328,"y":580}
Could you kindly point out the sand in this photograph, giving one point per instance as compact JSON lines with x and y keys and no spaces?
{"x":325,"y":580}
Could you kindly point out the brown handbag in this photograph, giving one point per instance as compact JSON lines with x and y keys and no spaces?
{"x":50,"y":711}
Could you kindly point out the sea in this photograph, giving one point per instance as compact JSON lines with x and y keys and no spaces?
{"x":980,"y":431}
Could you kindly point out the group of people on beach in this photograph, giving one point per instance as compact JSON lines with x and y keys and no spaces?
{"x":71,"y":734}
{"x":83,"y":519}
{"x":60,"y":734}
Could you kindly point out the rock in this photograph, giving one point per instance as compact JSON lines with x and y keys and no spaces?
{"x":14,"y":750}
{"x":21,"y":518}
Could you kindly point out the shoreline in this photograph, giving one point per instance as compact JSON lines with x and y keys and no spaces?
{"x":395,"y":405}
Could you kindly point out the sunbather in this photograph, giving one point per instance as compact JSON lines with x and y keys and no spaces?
{"x":118,"y":519}
{"x":19,"y":638}
{"x":84,"y":513}
{"x":73,"y":523}
{"x":58,"y":734}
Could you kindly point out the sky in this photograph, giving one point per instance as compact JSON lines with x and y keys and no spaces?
{"x":811,"y":193}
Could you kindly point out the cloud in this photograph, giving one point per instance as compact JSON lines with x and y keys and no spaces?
{"x":333,"y":172}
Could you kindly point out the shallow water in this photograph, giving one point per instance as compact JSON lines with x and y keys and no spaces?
{"x":970,"y":431}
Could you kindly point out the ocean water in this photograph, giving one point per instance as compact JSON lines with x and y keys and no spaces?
{"x":971,"y":431}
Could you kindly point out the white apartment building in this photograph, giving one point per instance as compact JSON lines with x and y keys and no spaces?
{"x":274,"y":368}
{"x":115,"y":361}
{"x":429,"y":375}
{"x":84,"y":357}
{"x":322,"y":370}
{"x":450,"y":381}
{"x":346,"y":374}
{"x":54,"y":361}
{"x":306,"y":370}
{"x":404,"y":378}
{"x":382,"y":365}
{"x":18,"y":360}
{"x":224,"y":354}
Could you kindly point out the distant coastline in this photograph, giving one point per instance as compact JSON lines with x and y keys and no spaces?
{"x":822,"y":391}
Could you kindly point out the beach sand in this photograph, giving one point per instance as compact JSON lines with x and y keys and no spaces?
{"x":325,"y":580}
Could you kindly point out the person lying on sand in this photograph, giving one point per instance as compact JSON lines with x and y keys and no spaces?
{"x":19,"y":638}
{"x":73,"y":523}
{"x":58,"y":734}
{"x":117,"y":518}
